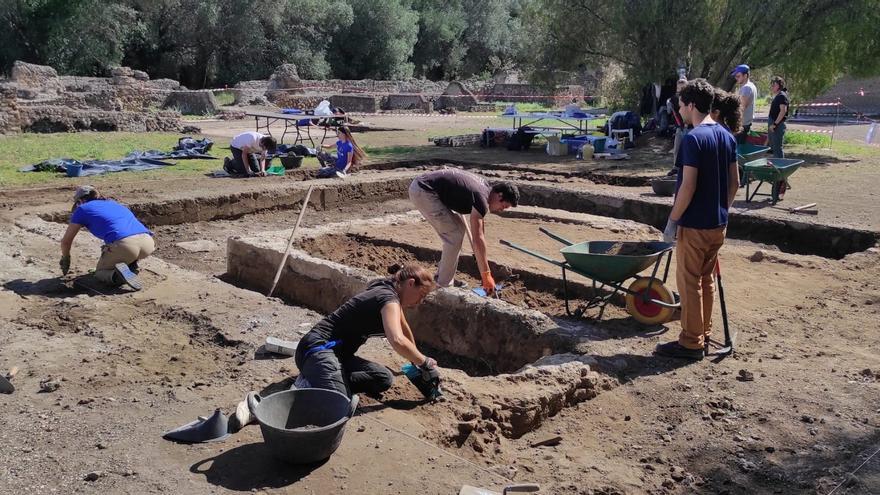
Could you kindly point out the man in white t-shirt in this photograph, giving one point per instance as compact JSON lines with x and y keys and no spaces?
{"x":748,"y":93}
{"x":243,"y":147}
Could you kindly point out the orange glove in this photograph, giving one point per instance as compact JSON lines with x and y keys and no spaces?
{"x":488,"y":282}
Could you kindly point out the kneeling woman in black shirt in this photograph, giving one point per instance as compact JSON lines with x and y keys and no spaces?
{"x":326,"y":354}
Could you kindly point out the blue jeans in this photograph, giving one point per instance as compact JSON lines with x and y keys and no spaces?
{"x":775,"y":137}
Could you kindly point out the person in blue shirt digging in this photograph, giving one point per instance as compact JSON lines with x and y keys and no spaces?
{"x":126,"y":240}
{"x":348,"y":154}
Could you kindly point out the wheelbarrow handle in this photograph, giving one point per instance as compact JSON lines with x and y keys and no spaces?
{"x":556,"y":237}
{"x":529,"y":251}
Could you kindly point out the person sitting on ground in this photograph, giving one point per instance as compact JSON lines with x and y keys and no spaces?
{"x":442,"y":197}
{"x":348,"y":154}
{"x":245,"y":147}
{"x":126,"y":240}
{"x":326,"y":356}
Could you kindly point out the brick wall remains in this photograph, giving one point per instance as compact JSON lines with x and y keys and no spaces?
{"x":9,"y":116}
{"x":356,"y":103}
{"x":53,"y":118}
{"x":415,"y":102}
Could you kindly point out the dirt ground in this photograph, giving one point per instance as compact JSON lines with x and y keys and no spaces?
{"x":794,"y":410}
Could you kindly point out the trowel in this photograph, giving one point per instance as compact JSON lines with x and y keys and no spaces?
{"x":520,"y":488}
{"x":482,"y":292}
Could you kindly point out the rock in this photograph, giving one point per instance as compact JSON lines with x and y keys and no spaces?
{"x":285,"y":77}
{"x":140,"y":75}
{"x":49,"y":385}
{"x":776,"y":356}
{"x":746,"y":376}
{"x":41,"y":78}
{"x":94,"y":475}
{"x":191,"y":129}
{"x":746,"y":466}
{"x":808,"y":419}
{"x":192,"y":102}
{"x":757,"y":256}
{"x":121,"y":72}
{"x":361,"y":428}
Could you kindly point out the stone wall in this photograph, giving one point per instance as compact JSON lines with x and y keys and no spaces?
{"x":406,"y":102}
{"x":356,"y":103}
{"x":192,"y":102}
{"x":9,"y":116}
{"x":528,"y":93}
{"x":53,"y":118}
{"x":457,"y":96}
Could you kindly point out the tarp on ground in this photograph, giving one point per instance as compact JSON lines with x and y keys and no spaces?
{"x":187,"y":148}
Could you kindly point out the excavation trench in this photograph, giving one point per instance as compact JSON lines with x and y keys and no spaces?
{"x":540,"y":188}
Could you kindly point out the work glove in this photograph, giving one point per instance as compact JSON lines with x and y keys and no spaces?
{"x":429,"y":370}
{"x":488,"y":282}
{"x":65,"y":264}
{"x":670,"y":231}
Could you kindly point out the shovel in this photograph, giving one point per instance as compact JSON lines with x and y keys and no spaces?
{"x":519,"y":488}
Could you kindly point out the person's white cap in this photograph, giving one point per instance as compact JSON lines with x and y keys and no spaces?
{"x":82,"y":191}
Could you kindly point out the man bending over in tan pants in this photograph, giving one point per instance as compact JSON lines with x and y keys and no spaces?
{"x":126,"y":240}
{"x":442,"y":197}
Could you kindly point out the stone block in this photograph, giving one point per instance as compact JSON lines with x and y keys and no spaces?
{"x":407,"y":102}
{"x":285,"y":77}
{"x":192,"y":102}
{"x":356,"y":103}
{"x":456,"y":96}
{"x":41,"y":78}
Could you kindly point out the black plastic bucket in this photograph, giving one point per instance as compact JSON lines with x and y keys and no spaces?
{"x":305,"y":425}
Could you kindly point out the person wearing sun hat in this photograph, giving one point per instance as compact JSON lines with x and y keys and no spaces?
{"x":748,"y":93}
{"x":126,"y":240}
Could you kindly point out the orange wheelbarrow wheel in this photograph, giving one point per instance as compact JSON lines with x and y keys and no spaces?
{"x":646,"y":312}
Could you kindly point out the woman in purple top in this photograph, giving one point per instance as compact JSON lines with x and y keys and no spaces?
{"x":126,"y":240}
{"x":348,"y":154}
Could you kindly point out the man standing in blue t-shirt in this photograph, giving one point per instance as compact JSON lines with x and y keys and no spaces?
{"x":126,"y":240}
{"x":705,"y":190}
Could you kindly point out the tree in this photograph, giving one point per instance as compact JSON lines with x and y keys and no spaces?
{"x":379,"y":43}
{"x":74,"y":36}
{"x":650,"y":39}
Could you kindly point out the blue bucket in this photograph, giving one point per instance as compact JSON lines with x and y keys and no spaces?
{"x":73,"y":169}
{"x":599,"y":145}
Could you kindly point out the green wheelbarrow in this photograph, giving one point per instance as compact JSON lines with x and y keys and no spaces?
{"x":744,"y":154}
{"x":648,"y":300}
{"x":774,"y":171}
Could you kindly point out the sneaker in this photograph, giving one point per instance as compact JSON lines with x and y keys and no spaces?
{"x":226,"y":167}
{"x":124,"y":275}
{"x":340,"y":174}
{"x":676,"y":350}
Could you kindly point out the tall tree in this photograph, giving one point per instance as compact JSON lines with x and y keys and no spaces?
{"x":379,"y":43}
{"x":650,"y":39}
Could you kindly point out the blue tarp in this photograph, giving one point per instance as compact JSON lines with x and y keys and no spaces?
{"x":187,"y":148}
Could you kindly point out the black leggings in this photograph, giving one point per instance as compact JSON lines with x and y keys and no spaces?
{"x":349,"y":375}
{"x":237,"y":164}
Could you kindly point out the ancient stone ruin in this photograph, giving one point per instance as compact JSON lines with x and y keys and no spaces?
{"x":37,"y":99}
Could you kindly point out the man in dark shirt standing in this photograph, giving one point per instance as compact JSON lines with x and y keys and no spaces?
{"x":442,"y":197}
{"x":706,"y":186}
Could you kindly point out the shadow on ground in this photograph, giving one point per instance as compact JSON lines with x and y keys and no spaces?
{"x":250,"y":467}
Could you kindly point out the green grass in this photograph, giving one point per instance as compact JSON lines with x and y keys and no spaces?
{"x":390,"y":150}
{"x":27,"y":149}
{"x":807,"y":139}
{"x":224,"y":98}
